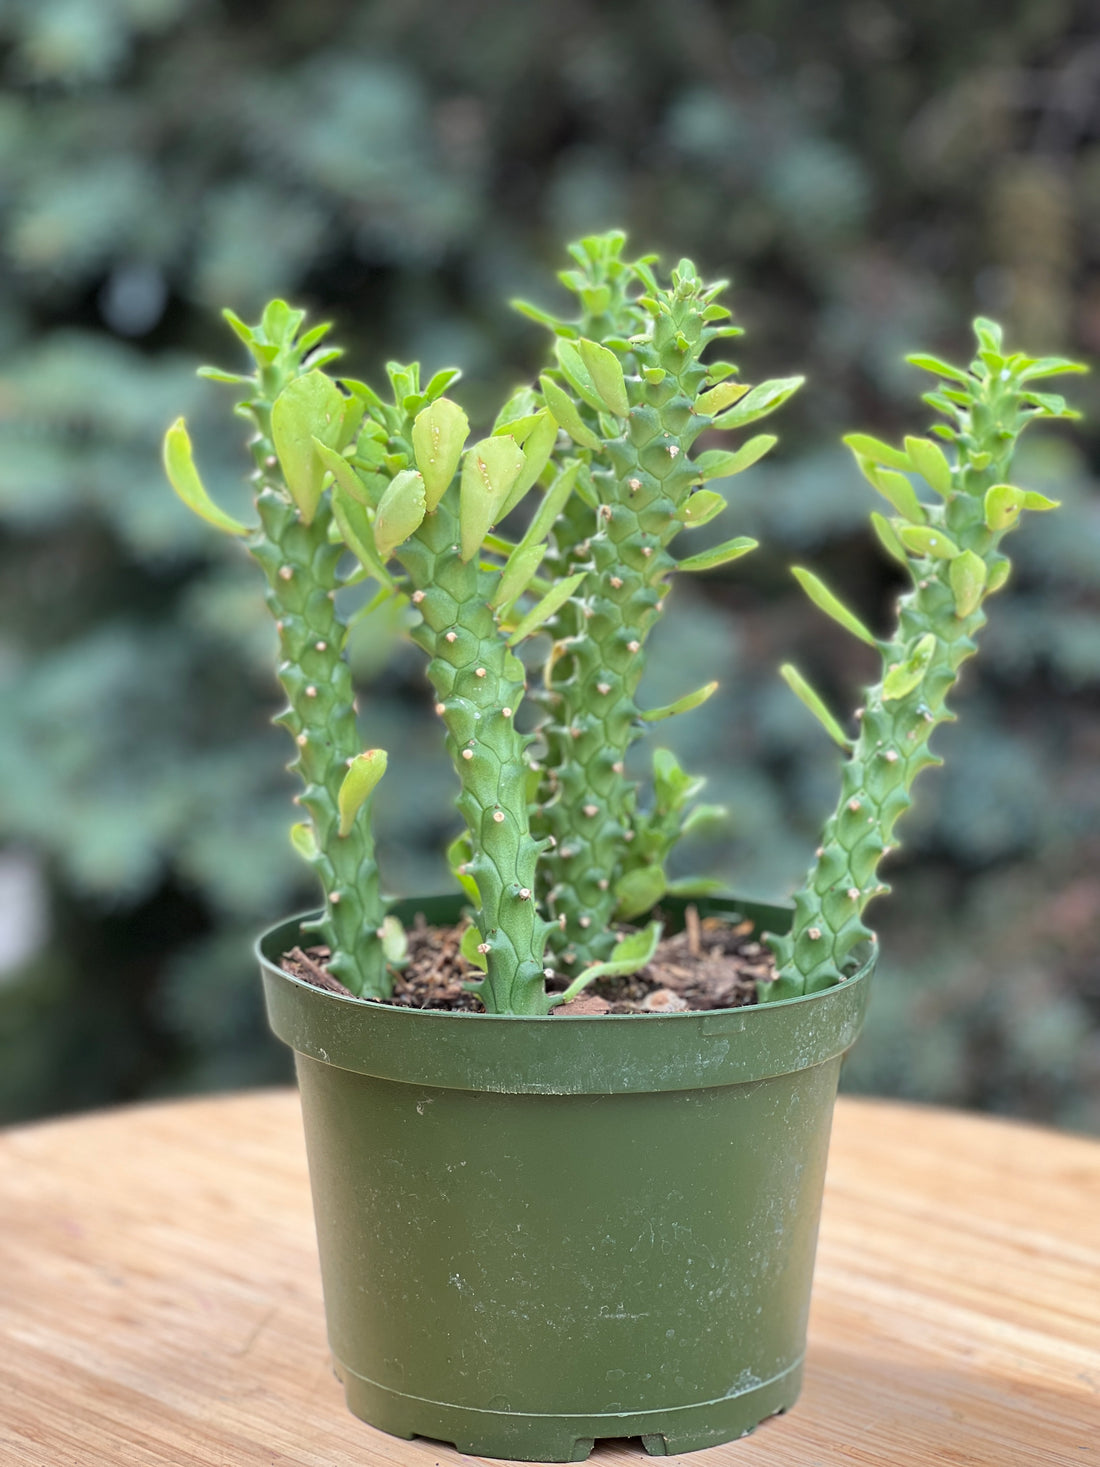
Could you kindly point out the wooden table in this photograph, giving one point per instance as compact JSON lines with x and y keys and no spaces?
{"x":160,"y":1302}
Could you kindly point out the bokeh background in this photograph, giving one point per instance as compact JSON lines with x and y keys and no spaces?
{"x":871,"y":176}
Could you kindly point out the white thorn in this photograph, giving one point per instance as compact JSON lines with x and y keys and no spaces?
{"x":647,"y":550}
{"x":302,"y":740}
{"x":891,"y":756}
{"x":634,"y":485}
{"x":813,"y":933}
{"x":451,"y":637}
{"x":320,"y":646}
{"x":467,"y":753}
{"x":617,"y":582}
{"x":853,"y":804}
{"x":524,"y":893}
{"x":311,"y":691}
{"x":417,"y":597}
{"x":286,"y":572}
{"x":819,"y":852}
{"x":672,"y":450}
{"x":441,"y":708}
{"x":617,"y":767}
{"x":271,"y":462}
{"x":561,"y":922}
{"x":603,"y":688}
{"x":280,"y":626}
{"x":633,"y":646}
{"x":853,"y":893}
{"x":591,"y":810}
{"x":334,"y":898}
{"x":628,"y":836}
{"x":479,"y":672}
{"x":484,"y":947}
{"x":603,"y":883}
{"x":584,"y":921}
{"x":498,"y":816}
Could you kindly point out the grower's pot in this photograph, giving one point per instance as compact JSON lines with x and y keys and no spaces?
{"x":535,"y":1232}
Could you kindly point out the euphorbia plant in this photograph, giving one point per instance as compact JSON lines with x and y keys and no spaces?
{"x":558,"y":851}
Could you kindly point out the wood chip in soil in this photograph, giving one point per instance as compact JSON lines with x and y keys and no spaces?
{"x":710,"y":965}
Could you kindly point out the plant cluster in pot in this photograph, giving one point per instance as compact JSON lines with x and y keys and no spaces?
{"x":541,"y":1223}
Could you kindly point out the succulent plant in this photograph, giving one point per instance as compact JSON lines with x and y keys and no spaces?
{"x":558,"y":851}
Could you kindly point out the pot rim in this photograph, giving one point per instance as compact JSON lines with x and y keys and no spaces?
{"x":589,"y":1054}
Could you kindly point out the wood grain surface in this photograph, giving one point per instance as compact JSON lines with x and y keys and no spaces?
{"x":160,"y":1301}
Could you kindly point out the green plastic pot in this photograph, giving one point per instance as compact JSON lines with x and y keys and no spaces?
{"x":537,"y":1232}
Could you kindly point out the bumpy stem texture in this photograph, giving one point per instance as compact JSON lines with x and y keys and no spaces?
{"x":300,"y":563}
{"x":479,"y":683}
{"x":642,"y":479}
{"x":892,"y":745}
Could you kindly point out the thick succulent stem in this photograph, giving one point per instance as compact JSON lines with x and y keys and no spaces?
{"x":300,"y":562}
{"x":953,"y":553}
{"x":642,"y":479}
{"x":479,"y":684}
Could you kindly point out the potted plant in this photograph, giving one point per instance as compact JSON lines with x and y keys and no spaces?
{"x":540,"y":1223}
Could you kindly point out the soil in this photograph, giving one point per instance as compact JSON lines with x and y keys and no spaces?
{"x":710,"y":965}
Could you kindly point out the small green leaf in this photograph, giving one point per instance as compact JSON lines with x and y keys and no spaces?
{"x":438,"y":437}
{"x":309,"y":407}
{"x":552,"y":505}
{"x":355,"y":527}
{"x":998,"y":575}
{"x":719,"y":463}
{"x":888,"y":536}
{"x":489,"y":472}
{"x":400,"y":512}
{"x":565,"y":413}
{"x":304,"y":841}
{"x":1050,"y":367}
{"x":179,"y":465}
{"x":395,"y":941}
{"x":895,"y":488}
{"x":967,"y":574}
{"x":639,"y":891}
{"x":903,"y":677}
{"x":821,"y":596}
{"x":576,"y":373}
{"x":760,"y":401}
{"x":338,"y":466}
{"x":723,"y":554}
{"x":517,"y":574}
{"x":940,"y":368}
{"x":607,"y":376}
{"x":458,"y":853}
{"x":1035,"y":501}
{"x":702,"y":507}
{"x":682,"y":705}
{"x":698,"y":886}
{"x":543,"y":610}
{"x":544,"y":318}
{"x":364,"y":772}
{"x":216,"y":374}
{"x":724,"y":395}
{"x":538,"y":445}
{"x":801,"y":689}
{"x":864,"y":446}
{"x":468,"y":947}
{"x":931,"y":463}
{"x":926,"y":540}
{"x":632,"y":954}
{"x":1003,"y":503}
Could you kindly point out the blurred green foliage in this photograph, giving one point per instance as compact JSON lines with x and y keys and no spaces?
{"x":870,"y":175}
